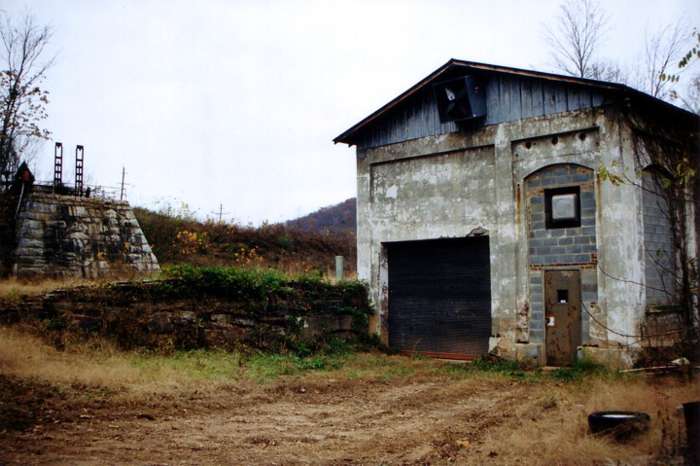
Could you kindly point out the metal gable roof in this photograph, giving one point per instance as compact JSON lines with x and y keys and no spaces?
{"x":348,"y":136}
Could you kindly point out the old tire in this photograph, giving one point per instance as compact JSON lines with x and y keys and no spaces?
{"x":620,"y":424}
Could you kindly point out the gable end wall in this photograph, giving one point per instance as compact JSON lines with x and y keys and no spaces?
{"x":508,"y":99}
{"x":472,"y":183}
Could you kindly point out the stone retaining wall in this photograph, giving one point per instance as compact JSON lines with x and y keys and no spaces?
{"x":166,"y":315}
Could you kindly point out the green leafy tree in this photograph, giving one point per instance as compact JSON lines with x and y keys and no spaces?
{"x":690,"y":57}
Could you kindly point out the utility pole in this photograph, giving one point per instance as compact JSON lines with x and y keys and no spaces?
{"x":220,"y":213}
{"x":121,"y":193}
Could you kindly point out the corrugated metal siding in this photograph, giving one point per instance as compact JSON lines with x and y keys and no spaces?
{"x":508,"y":98}
{"x":440,"y":297}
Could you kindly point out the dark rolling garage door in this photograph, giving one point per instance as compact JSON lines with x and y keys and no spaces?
{"x":440,"y":297}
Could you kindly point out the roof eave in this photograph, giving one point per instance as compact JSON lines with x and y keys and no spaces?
{"x":347,"y":136}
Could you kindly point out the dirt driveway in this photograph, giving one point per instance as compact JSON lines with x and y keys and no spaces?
{"x":335,"y":422}
{"x":307,"y":420}
{"x":94,"y":404}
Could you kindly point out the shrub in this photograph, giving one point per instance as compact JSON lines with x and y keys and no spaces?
{"x":176,"y":237}
{"x":191,"y":242}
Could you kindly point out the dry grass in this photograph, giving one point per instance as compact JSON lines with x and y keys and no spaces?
{"x":99,"y":364}
{"x":516,"y":419}
{"x":558,"y":414}
{"x":13,"y":287}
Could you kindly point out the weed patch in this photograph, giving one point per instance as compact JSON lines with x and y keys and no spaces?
{"x":492,"y":366}
{"x":254,"y":283}
{"x":267,"y":367}
{"x":193,"y":365}
{"x":581,"y":369}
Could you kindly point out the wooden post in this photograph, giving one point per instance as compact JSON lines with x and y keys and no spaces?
{"x":339,"y":268}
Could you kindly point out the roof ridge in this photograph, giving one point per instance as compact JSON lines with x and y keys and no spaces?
{"x":452,"y":62}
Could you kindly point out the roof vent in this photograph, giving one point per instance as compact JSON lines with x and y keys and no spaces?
{"x":460,"y":99}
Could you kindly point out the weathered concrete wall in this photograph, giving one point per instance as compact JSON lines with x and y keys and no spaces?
{"x":458,"y":184}
{"x":68,"y":236}
{"x":408,"y":192}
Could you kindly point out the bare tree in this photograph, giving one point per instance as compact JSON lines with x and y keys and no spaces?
{"x":608,"y":71}
{"x":690,"y":99}
{"x":575,"y":36}
{"x":662,"y":50}
{"x":22,"y":100}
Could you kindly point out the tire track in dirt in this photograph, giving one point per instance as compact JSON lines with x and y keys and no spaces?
{"x":314,"y":419}
{"x":287,"y":424}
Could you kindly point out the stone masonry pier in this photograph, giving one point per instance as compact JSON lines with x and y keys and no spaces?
{"x":69,"y":236}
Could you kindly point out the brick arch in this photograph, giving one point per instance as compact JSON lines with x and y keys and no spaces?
{"x":558,"y":167}
{"x":536,"y":186}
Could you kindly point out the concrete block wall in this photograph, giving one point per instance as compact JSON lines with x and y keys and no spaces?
{"x":561,"y":245}
{"x":536,"y":321}
{"x":659,"y":256}
{"x":69,"y":236}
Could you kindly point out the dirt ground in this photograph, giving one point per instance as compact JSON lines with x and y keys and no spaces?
{"x":305,"y":420}
{"x":92,"y":403}
{"x":334,"y":422}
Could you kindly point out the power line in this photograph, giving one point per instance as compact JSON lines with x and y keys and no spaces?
{"x":221,"y":212}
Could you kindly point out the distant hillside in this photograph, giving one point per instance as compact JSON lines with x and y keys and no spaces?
{"x":180,"y":238}
{"x":336,"y":218}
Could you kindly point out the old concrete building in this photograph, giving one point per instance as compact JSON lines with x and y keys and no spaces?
{"x":519,"y":212}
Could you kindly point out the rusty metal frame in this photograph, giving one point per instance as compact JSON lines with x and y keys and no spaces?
{"x":79,"y":166}
{"x":57,"y":166}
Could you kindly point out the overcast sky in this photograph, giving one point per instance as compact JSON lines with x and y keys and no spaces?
{"x":236,"y":102}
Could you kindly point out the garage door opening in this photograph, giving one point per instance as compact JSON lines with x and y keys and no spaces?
{"x":440,"y":297}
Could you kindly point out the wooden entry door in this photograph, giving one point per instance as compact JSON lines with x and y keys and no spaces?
{"x":562,"y":290}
